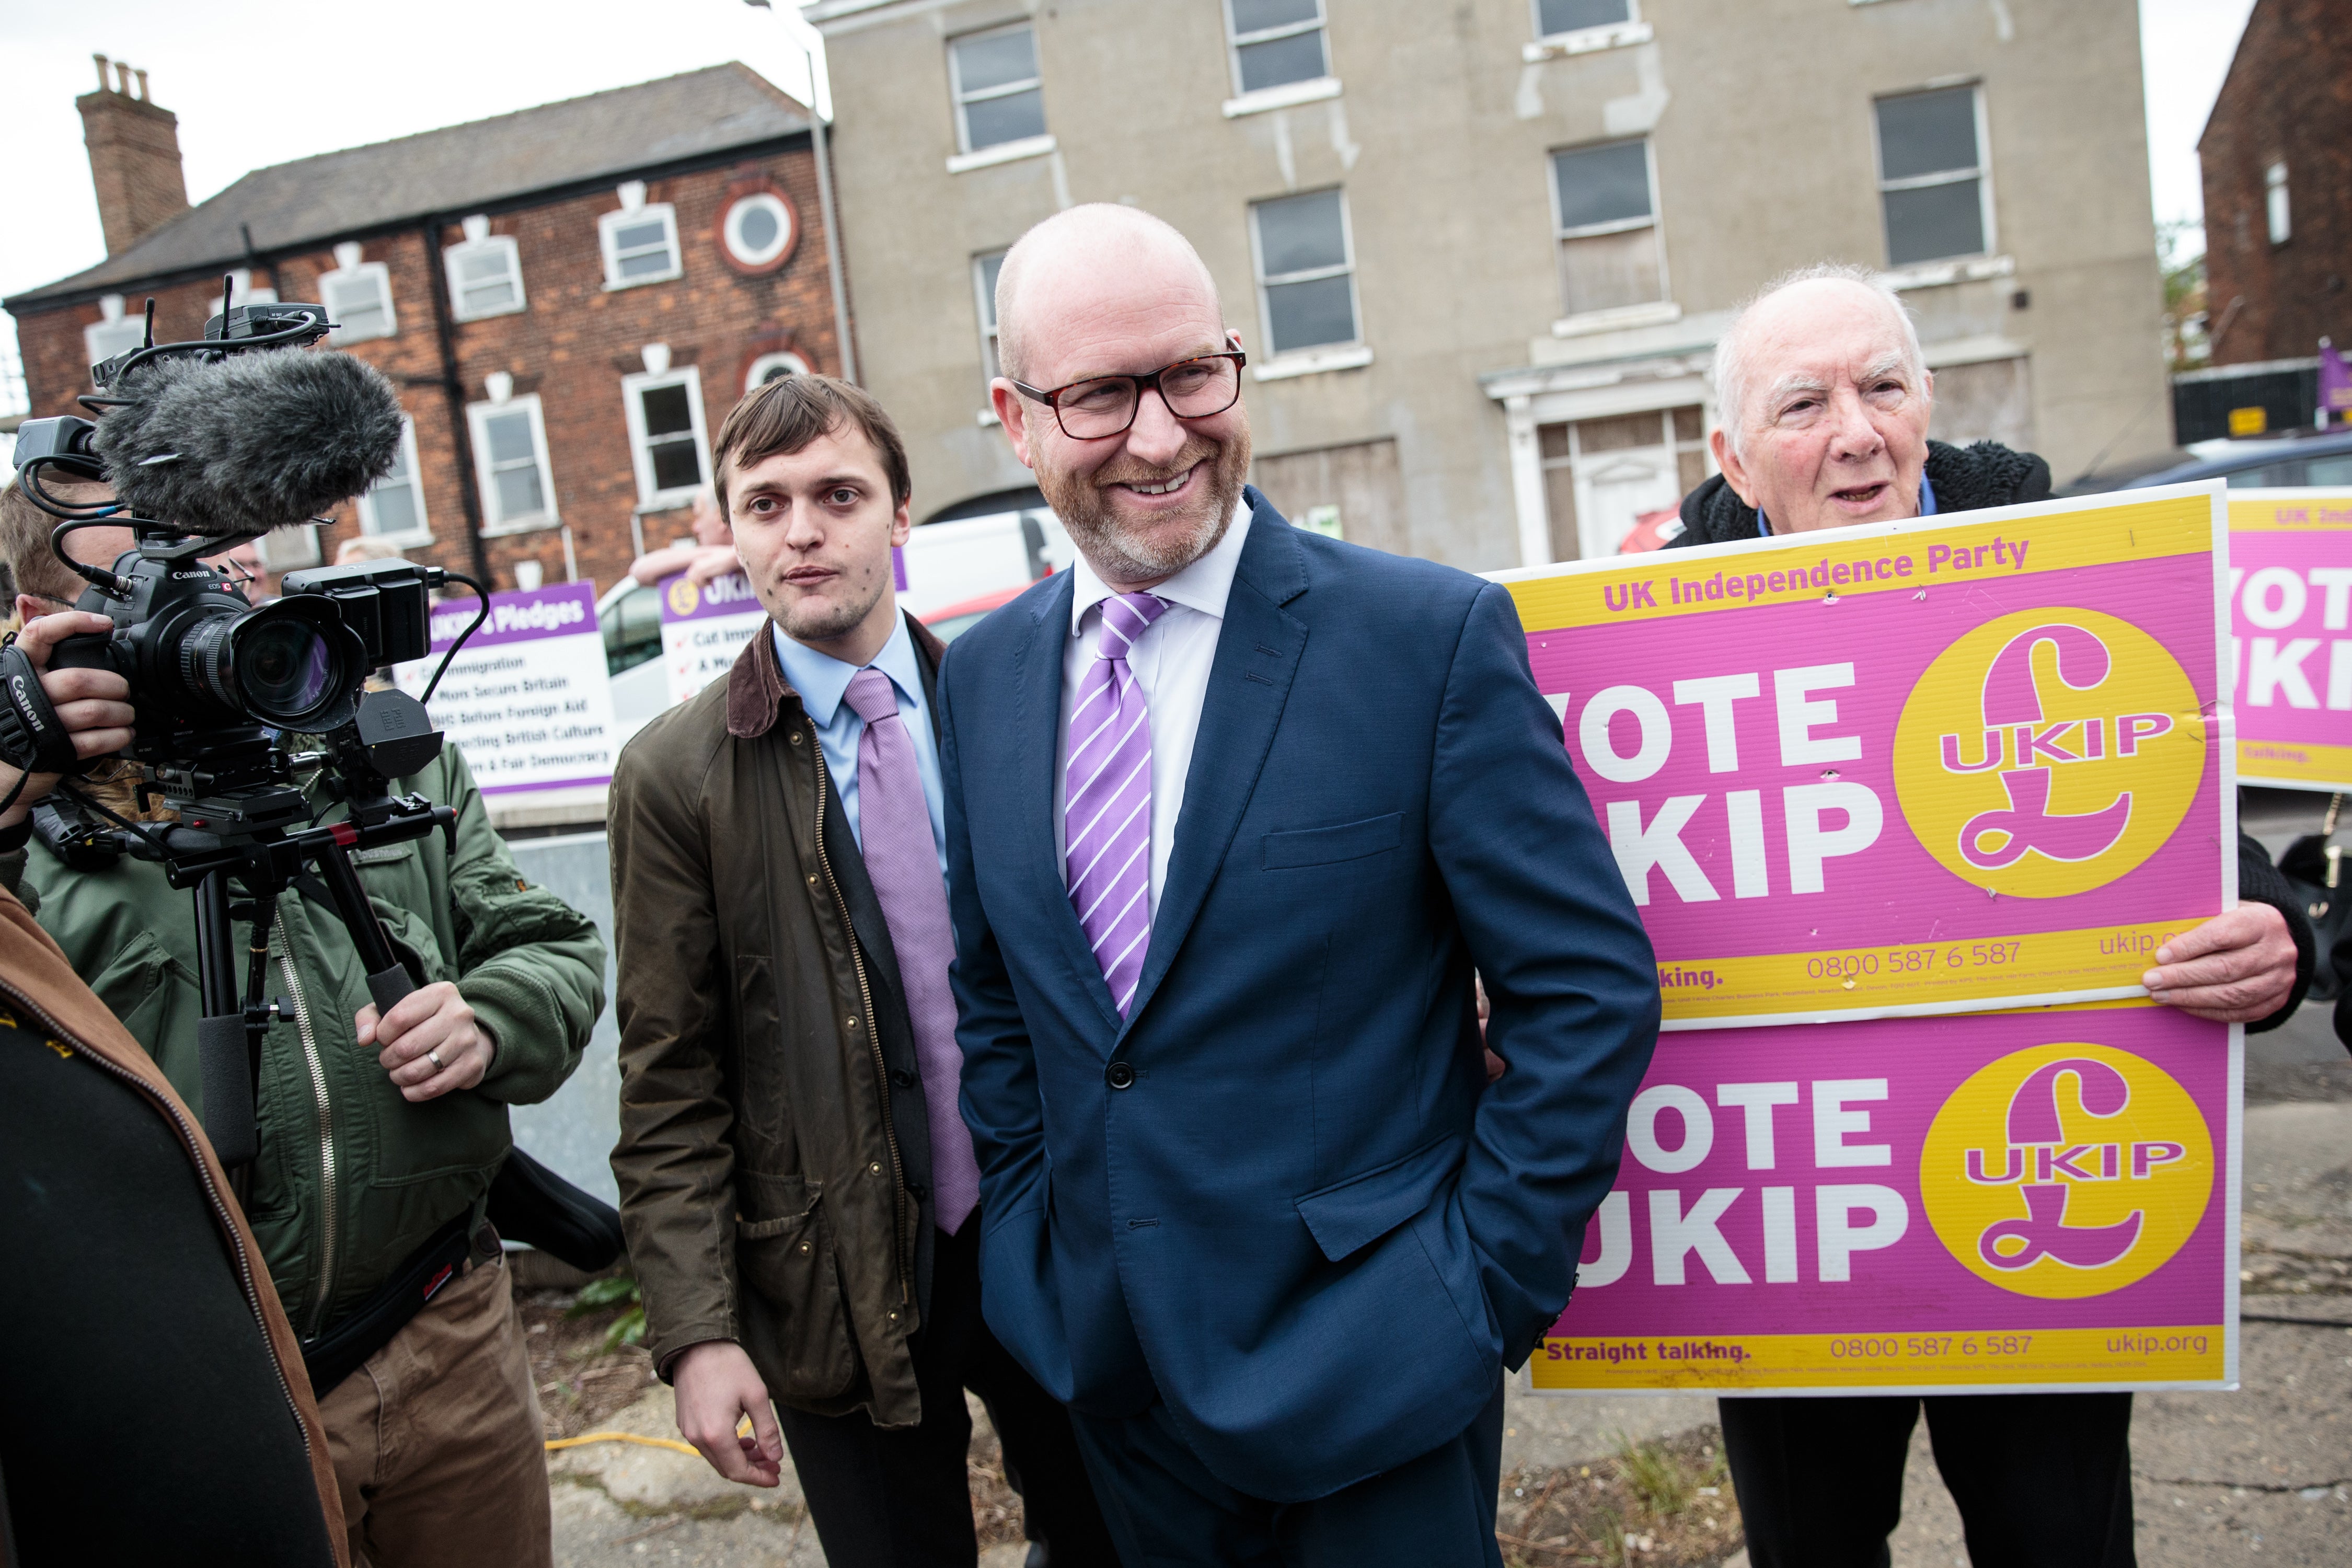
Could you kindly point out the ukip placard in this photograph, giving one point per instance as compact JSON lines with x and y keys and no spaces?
{"x":704,"y":626}
{"x":2291,"y":635}
{"x":1996,"y":1201}
{"x":1943,"y":765}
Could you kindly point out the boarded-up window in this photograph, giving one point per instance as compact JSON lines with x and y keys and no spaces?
{"x":1604,"y":210}
{"x":1991,"y":401}
{"x":1360,"y":487}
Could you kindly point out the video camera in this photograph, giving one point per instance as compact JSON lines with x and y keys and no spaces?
{"x":209,"y":445}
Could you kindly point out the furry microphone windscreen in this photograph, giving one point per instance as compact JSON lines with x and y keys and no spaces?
{"x":251,"y":442}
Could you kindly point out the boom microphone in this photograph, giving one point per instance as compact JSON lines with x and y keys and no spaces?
{"x":248,"y":443}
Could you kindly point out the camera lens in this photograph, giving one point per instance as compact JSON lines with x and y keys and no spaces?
{"x":283,"y":666}
{"x":292,"y":664}
{"x":295,"y":663}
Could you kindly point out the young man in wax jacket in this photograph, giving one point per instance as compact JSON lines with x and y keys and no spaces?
{"x":797,"y":1182}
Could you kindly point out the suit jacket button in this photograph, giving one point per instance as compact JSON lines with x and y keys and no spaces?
{"x":1121,"y":1075}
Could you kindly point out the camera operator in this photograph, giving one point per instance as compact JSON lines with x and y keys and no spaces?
{"x":379,"y":1137}
{"x":116,"y":1203}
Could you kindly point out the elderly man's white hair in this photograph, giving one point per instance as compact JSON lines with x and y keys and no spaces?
{"x":1731,"y":368}
{"x":1103,"y":226}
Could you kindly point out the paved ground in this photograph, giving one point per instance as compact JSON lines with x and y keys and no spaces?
{"x":2260,"y":1475}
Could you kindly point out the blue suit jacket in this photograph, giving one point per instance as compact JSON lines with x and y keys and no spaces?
{"x":1308,"y":1222}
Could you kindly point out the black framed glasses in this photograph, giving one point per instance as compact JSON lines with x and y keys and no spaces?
{"x":1096,"y":410}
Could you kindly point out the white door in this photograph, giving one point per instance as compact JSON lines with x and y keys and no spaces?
{"x":1618,"y":488}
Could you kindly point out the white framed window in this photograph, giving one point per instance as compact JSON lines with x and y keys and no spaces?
{"x":511,"y":463}
{"x":999,"y":96}
{"x":113,"y":332}
{"x":984,"y":270}
{"x":1560,"y":18}
{"x":392,"y":509}
{"x":358,"y":298}
{"x":640,"y":241}
{"x":1305,"y":271}
{"x":772,"y":366}
{"x":2274,"y":203}
{"x":1605,"y":217}
{"x":1931,"y":177}
{"x":485,"y":273}
{"x":758,"y":230}
{"x":1275,"y":43}
{"x":666,"y":434}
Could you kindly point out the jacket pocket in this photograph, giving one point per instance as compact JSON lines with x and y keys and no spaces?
{"x":1325,"y":846}
{"x":1347,"y":1216}
{"x":149,"y":990}
{"x":784,"y":1253}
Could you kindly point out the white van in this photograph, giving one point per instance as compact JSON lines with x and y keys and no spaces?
{"x":954,"y":573}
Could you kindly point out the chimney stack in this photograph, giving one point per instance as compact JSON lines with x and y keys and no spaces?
{"x":134,"y":157}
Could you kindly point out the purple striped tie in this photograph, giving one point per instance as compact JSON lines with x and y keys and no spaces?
{"x":1108,"y":814}
{"x":902,"y":861}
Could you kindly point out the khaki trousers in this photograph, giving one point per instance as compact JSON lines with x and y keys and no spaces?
{"x":437,"y":1439}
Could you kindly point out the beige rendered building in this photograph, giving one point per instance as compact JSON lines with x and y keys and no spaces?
{"x":1480,"y":251}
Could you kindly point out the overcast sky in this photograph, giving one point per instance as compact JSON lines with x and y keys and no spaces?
{"x":256,"y":83}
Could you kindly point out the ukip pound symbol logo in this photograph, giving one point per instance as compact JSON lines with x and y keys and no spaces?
{"x":2066,"y":1170}
{"x":2033,"y":1123}
{"x":2080,"y":752}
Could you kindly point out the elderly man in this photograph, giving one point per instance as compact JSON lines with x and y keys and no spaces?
{"x":1233,"y":812}
{"x":1825,"y":404}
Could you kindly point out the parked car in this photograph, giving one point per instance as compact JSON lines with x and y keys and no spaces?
{"x":2302,"y":457}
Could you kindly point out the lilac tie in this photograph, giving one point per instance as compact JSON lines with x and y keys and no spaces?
{"x":1109,"y":815}
{"x":902,"y":861}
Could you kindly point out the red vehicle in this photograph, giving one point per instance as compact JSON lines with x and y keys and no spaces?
{"x":950,"y":621}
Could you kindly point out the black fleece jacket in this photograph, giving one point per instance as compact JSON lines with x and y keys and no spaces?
{"x":1966,"y":479}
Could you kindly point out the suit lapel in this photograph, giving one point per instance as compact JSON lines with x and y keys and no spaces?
{"x":1036,"y":724}
{"x":1259,"y":651}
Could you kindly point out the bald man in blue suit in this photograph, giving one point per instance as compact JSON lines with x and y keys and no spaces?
{"x":1233,"y":812}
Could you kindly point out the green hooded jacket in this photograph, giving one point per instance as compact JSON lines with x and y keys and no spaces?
{"x":351,"y":1179}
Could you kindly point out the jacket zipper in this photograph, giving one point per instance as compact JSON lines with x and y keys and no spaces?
{"x":326,"y":1123}
{"x":221,"y":1209}
{"x":873,"y":1042}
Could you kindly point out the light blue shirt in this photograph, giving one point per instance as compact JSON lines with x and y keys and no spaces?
{"x":822,"y":681}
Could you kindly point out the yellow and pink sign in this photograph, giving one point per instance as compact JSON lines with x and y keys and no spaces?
{"x":1908,"y":769}
{"x":2291,"y":632}
{"x":2042,"y":1199}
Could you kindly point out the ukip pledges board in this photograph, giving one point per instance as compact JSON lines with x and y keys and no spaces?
{"x":2291,"y":631}
{"x":704,"y":626}
{"x":1928,"y":796}
{"x":528,"y":699}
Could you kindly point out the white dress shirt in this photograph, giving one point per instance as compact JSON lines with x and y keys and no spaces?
{"x":1172,"y":662}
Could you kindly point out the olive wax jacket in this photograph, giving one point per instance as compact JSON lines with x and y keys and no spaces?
{"x":774,"y":1158}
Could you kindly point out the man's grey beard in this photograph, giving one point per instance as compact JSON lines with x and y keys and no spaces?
{"x":1115,"y":553}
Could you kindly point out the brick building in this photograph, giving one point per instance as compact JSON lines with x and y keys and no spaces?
{"x":570,"y":298}
{"x":2278,"y":156}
